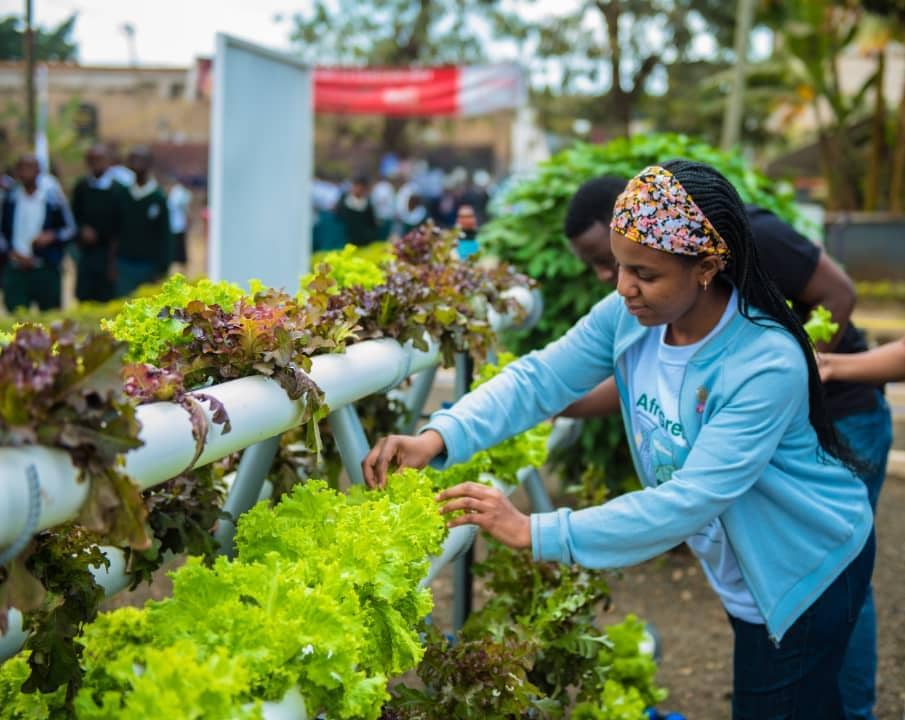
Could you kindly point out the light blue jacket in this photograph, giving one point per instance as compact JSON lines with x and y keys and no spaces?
{"x":794,"y":517}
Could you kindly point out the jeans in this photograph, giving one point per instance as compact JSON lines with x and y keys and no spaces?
{"x":798,"y":680}
{"x":869,"y":435}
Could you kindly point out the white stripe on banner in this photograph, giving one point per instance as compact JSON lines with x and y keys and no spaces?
{"x":487,"y":88}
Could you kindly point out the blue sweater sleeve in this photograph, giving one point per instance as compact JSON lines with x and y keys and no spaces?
{"x":532,"y":388}
{"x":730,"y":453}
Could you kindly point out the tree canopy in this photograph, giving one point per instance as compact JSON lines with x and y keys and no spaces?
{"x":54,"y":43}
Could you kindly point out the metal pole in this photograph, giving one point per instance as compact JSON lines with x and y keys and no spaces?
{"x":350,"y":441}
{"x":416,"y":397}
{"x":732,"y":119}
{"x":531,"y":480}
{"x":246,"y":489}
{"x":463,"y":579}
{"x":28,"y":54}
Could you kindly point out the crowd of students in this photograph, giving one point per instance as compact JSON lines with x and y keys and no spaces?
{"x":119,"y":225}
{"x":358,"y":212}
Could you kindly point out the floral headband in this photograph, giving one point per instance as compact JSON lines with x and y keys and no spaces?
{"x":655,"y":210}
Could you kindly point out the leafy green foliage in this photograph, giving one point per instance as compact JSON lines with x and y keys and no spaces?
{"x":85,"y":315}
{"x":531,"y":649}
{"x":54,"y":43}
{"x":146,"y":325}
{"x":17,"y":705}
{"x":60,"y":562}
{"x":429,"y":291}
{"x":349,"y":267}
{"x":528,"y":233}
{"x":471,"y":680}
{"x":62,"y":389}
{"x":551,"y":606}
{"x":628,"y":686}
{"x":820,"y":326}
{"x":71,"y":390}
{"x":182,"y":513}
{"x":324,"y":596}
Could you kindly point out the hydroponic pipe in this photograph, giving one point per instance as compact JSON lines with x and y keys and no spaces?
{"x":258,"y":409}
{"x":112,"y":580}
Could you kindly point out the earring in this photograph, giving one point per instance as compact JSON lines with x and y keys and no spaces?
{"x":706,"y":285}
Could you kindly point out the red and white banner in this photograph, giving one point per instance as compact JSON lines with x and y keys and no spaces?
{"x":468,"y":90}
{"x":471,"y":90}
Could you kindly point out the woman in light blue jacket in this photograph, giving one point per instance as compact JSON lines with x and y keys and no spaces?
{"x":725,"y":417}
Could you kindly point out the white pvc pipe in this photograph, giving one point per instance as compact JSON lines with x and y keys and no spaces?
{"x":112,"y":580}
{"x":291,"y":707}
{"x":14,"y":637}
{"x":258,"y":408}
{"x":61,"y":493}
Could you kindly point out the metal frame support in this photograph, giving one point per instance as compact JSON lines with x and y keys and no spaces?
{"x":416,"y":398}
{"x":350,"y":441}
{"x":531,"y":480}
{"x":246,"y":489}
{"x":463,"y":579}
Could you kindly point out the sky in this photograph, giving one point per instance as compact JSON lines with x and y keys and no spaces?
{"x":174,"y":32}
{"x":167,"y":32}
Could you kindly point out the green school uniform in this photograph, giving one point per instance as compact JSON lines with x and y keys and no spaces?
{"x":94,"y":203}
{"x":144,"y":247}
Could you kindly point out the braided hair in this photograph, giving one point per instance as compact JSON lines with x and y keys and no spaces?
{"x":721,"y":204}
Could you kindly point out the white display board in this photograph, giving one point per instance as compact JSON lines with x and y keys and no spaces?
{"x":260,"y":166}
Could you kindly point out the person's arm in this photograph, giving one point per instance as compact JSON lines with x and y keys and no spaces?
{"x":728,"y":456}
{"x":56,"y":231}
{"x":602,"y":401}
{"x":528,"y":391}
{"x":801,"y":270}
{"x":831,"y":287}
{"x":880,"y":365}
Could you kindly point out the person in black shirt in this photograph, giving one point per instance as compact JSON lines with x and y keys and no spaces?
{"x":807,"y":277}
{"x":96,"y":211}
{"x":356,"y":213}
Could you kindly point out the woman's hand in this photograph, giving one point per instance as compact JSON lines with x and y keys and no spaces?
{"x":489,"y":509}
{"x":414,"y":451}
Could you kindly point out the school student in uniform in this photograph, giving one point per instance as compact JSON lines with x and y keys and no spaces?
{"x":355,"y":212}
{"x":33,"y":232}
{"x":807,"y":277}
{"x":144,"y":245}
{"x":729,"y":433}
{"x":96,"y":210}
{"x":179,"y":202}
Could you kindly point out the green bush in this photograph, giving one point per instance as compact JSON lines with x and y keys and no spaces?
{"x":529,"y":234}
